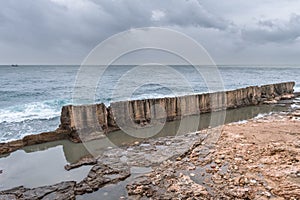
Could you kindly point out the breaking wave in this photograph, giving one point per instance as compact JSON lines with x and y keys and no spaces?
{"x":32,"y":111}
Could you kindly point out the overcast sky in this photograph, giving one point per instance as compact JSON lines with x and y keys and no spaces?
{"x":232,"y":31}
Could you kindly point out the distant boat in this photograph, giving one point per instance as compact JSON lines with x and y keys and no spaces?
{"x":15,"y":65}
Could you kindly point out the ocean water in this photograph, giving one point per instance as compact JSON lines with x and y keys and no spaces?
{"x":31,"y":97}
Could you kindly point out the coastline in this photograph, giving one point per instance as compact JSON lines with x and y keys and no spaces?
{"x":128,"y":166}
{"x":258,"y":159}
{"x":87,"y":121}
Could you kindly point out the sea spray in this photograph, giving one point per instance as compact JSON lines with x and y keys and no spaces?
{"x":32,"y":111}
{"x":36,"y":117}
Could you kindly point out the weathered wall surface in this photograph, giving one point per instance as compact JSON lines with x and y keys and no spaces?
{"x":140,"y":112}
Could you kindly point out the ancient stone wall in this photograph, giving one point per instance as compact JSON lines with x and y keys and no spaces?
{"x":141,"y":112}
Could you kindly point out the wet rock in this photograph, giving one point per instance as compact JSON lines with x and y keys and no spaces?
{"x":87,"y":160}
{"x":61,"y":191}
{"x":101,"y":175}
{"x":33,"y":139}
{"x":64,"y":190}
{"x":8,"y":197}
{"x":98,"y":176}
{"x":271,"y":102}
{"x":287,"y":96}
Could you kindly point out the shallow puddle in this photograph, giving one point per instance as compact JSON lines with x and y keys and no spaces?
{"x":37,"y":169}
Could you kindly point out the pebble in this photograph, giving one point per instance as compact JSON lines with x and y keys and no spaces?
{"x":253,"y":181}
{"x":268,"y":194}
{"x":191,"y":168}
{"x":144,"y":145}
{"x":218,"y":161}
{"x":225,"y":177}
{"x":123,"y":159}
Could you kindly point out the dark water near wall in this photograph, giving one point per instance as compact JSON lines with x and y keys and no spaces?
{"x":31,"y":97}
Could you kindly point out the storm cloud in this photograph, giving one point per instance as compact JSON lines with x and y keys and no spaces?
{"x":65,"y":31}
{"x":276,"y":31}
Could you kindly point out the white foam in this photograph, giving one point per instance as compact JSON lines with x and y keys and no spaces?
{"x":262,"y":115}
{"x":297,"y":100}
{"x":295,"y":106}
{"x":31,"y":111}
{"x":240,"y":122}
{"x":297,"y":89}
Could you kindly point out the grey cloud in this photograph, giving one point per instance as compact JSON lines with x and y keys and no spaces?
{"x":191,"y":13}
{"x":73,"y":29}
{"x":276,"y":31}
{"x":267,"y":23}
{"x":65,"y":31}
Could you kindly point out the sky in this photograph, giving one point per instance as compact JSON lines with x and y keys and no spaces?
{"x":260,"y":32}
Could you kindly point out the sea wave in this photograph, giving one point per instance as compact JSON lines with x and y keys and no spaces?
{"x":297,"y":88}
{"x":262,"y":115}
{"x":32,"y":111}
{"x":240,"y":122}
{"x":296,"y":100}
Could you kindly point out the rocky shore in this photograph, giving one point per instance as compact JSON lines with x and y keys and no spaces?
{"x":254,"y":159}
{"x":258,"y":159}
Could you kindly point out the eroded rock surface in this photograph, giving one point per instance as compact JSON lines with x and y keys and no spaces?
{"x":86,"y":160}
{"x":99,"y":176}
{"x":256,"y":160}
{"x":61,"y":191}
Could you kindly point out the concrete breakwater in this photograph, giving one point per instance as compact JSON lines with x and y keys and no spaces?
{"x":139,"y":113}
{"x":94,"y":120}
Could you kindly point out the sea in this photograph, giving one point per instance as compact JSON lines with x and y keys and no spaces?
{"x":31,"y":97}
